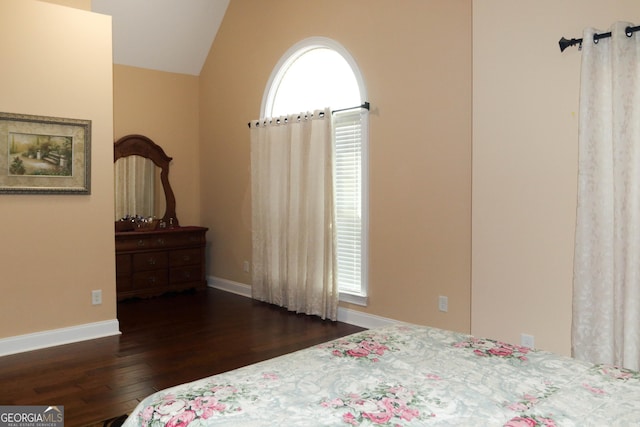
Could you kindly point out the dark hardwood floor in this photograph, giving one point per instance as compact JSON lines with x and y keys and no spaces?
{"x":165,"y":341}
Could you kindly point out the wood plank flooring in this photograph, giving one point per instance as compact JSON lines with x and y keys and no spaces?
{"x":165,"y":341}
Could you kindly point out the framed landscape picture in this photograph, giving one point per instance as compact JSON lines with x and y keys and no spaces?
{"x":44,"y":155}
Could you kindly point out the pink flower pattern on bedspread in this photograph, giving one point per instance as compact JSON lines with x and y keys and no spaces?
{"x":387,"y":405}
{"x":404,"y":375}
{"x":492,"y":348}
{"x":366,"y":347}
{"x":179,"y":410}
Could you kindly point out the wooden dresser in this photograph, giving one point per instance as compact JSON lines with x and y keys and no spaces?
{"x":150,"y":263}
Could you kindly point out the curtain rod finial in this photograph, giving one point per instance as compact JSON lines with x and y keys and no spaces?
{"x":564,"y":43}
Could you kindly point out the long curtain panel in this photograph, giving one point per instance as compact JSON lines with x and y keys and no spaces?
{"x":606,"y":288}
{"x":292,"y":214}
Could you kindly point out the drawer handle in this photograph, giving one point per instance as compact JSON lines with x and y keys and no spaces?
{"x":140,"y":242}
{"x":161,"y":241}
{"x":186,"y":258}
{"x":151,"y":261}
{"x":152,"y":280}
{"x":187,"y":275}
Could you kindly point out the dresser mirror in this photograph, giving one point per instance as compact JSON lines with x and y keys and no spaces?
{"x":142,"y":188}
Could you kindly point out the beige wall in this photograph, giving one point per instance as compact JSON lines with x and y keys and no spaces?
{"x":525,"y":101}
{"x":78,"y":4}
{"x":164,"y":107}
{"x":56,"y":61}
{"x":420,"y":148}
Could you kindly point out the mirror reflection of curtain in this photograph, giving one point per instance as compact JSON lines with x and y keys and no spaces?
{"x":134,"y":186}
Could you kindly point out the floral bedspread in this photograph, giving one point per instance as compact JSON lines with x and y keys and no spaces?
{"x":404,"y":375}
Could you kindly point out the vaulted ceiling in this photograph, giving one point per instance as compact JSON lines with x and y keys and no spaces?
{"x":164,"y":35}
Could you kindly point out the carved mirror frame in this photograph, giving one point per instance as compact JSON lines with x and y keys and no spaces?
{"x":140,"y":145}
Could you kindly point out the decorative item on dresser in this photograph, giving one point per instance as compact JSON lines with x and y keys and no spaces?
{"x":154,"y":254}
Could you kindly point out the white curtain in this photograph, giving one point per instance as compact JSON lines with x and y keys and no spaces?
{"x":134,"y":186}
{"x":606,"y":294}
{"x":292,"y":214}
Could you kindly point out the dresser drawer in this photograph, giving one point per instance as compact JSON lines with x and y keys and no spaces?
{"x":193,"y":238}
{"x":185,"y":274}
{"x":124,"y":284}
{"x":153,"y":262}
{"x":123,"y":265}
{"x":135,"y":241}
{"x":185,"y":257}
{"x":132,"y":244}
{"x":150,"y":261}
{"x":183,"y":239}
{"x":150,"y":279}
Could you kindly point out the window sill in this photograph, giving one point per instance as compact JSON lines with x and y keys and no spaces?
{"x":353,"y":299}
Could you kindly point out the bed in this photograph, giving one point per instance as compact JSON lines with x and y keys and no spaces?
{"x":404,"y":375}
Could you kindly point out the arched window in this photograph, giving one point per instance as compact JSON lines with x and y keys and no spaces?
{"x":314,"y":74}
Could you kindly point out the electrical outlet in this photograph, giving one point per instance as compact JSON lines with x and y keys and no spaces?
{"x":245,"y":266}
{"x":96,"y":297}
{"x":443,"y":303}
{"x":527,"y":340}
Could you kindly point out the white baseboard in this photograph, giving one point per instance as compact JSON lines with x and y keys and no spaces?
{"x":54,"y":337}
{"x":229,"y":286}
{"x":364,"y":320}
{"x":346,"y":315}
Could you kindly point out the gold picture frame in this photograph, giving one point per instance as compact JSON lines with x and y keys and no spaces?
{"x":44,"y":155}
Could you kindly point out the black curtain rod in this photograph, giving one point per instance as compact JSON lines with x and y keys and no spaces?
{"x":564,"y":43}
{"x":364,"y":105}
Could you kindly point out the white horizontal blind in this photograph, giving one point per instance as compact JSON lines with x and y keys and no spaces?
{"x":348,"y":199}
